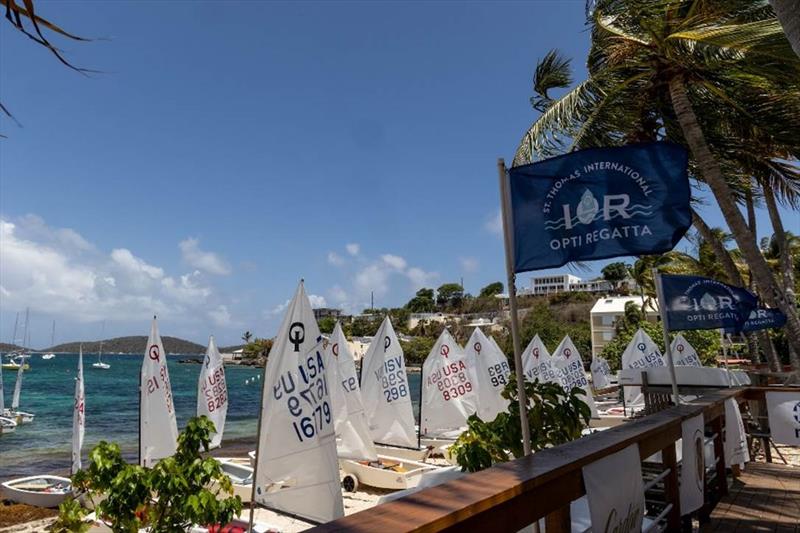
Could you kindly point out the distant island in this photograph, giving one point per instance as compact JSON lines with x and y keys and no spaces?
{"x":125,"y":345}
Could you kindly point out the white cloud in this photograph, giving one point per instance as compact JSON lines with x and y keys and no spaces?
{"x":372,"y":278}
{"x":394,"y":261}
{"x":201,"y":259}
{"x":420,"y":278}
{"x":317,"y":301}
{"x":59,"y":273}
{"x":220,"y":315}
{"x":353,"y":249}
{"x":469,"y":264}
{"x":335,"y":259}
{"x":494,"y":225}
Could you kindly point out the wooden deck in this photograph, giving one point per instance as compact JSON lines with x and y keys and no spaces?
{"x":765,"y":498}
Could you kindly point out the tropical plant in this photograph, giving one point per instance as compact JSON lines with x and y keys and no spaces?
{"x":176,"y":493}
{"x":615,"y":272}
{"x":246,"y":337}
{"x":71,"y":518}
{"x":491,"y":289}
{"x":555,"y":416}
{"x":258,"y":348}
{"x":652,"y":65}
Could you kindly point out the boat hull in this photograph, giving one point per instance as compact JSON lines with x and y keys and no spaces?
{"x":7,"y":425}
{"x":403,"y":474}
{"x":27,"y":490}
{"x":241,"y":477}
{"x":409,"y":454}
{"x":20,"y":417}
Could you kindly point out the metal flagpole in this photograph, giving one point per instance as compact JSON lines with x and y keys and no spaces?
{"x":505,"y":204}
{"x":726,"y":342}
{"x":258,"y":449}
{"x":662,"y":309}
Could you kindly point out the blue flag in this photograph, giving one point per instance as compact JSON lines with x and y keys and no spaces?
{"x":693,"y":302}
{"x":599,"y":203}
{"x":763,"y":318}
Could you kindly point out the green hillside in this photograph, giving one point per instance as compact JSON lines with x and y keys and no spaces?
{"x":129,"y":345}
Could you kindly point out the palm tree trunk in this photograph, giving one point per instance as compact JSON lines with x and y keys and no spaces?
{"x":754,"y":340}
{"x":712,"y":173}
{"x":780,"y":239}
{"x":788,"y":12}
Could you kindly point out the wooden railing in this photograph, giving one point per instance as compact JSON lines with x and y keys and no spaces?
{"x":512,"y":495}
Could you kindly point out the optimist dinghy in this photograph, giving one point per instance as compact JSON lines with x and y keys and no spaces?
{"x":391,"y":473}
{"x":7,"y":425}
{"x":241,"y":477}
{"x":38,"y":491}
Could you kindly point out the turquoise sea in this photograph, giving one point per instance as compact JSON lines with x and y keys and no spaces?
{"x":112,"y":407}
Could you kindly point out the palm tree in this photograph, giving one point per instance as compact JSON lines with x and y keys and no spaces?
{"x":246,"y":337}
{"x":652,"y":63}
{"x":788,"y":12}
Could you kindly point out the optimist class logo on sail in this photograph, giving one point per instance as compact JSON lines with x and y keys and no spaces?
{"x":599,"y":203}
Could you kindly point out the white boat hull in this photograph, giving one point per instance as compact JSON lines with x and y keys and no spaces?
{"x":7,"y":425}
{"x":241,"y":477}
{"x":409,"y":454}
{"x":38,"y":491}
{"x":394,"y":473}
{"x":20,"y":417}
{"x":104,"y":366}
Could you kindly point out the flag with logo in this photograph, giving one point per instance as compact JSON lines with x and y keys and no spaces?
{"x":694,"y":302}
{"x":599,"y":203}
{"x":783,"y":409}
{"x":763,"y":318}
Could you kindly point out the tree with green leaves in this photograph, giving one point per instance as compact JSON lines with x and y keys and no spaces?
{"x":246,"y":337}
{"x":615,"y":272}
{"x":422,"y":302}
{"x":176,"y":493}
{"x":449,"y":295}
{"x":555,"y":416}
{"x":718,"y":76}
{"x":491,"y":290}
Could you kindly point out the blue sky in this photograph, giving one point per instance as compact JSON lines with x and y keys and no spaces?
{"x":229,"y":149}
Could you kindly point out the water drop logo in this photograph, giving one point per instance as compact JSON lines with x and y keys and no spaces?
{"x":587,"y":208}
{"x":708,"y":302}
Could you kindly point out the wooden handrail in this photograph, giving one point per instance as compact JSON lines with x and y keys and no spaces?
{"x":511,"y":495}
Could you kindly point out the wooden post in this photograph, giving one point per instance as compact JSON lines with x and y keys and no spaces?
{"x":719,"y":452}
{"x":671,"y":491}
{"x":559,"y":521}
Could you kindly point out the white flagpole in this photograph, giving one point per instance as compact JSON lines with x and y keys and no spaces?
{"x":505,"y":204}
{"x":662,"y":309}
{"x":258,"y":446}
{"x":726,"y":342}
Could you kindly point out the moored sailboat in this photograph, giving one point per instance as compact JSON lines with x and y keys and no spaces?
{"x":21,"y":417}
{"x":7,"y":425}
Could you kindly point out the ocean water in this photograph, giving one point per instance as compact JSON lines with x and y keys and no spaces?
{"x":112,"y":407}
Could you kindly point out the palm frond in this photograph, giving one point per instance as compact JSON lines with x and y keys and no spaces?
{"x":553,"y":71}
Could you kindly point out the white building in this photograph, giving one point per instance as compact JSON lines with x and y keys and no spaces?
{"x":567,"y":283}
{"x":606,"y":312}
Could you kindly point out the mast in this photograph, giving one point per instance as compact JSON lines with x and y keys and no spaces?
{"x":53,"y":335}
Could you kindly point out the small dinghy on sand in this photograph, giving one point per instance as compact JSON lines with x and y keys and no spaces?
{"x":241,"y":477}
{"x":38,"y":491}
{"x":391,"y":473}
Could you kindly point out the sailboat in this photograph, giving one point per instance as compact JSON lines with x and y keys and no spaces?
{"x":492,"y":372}
{"x":297,"y":469}
{"x":358,"y":458}
{"x":387,"y":397}
{"x":567,"y":361}
{"x":449,"y":388}
{"x":7,"y":425}
{"x":100,"y":364}
{"x":51,"y":355}
{"x":16,"y":359}
{"x":212,"y":392}
{"x":641,"y":352}
{"x":14,"y":412}
{"x":158,"y":428}
{"x":537,"y":362}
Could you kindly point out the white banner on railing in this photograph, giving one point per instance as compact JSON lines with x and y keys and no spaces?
{"x":736,"y":452}
{"x":784,"y":417}
{"x":693,"y":467}
{"x":622,"y":508}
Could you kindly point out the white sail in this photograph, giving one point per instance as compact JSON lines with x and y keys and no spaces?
{"x":385,"y":390}
{"x":568,"y":361}
{"x":212,"y":392}
{"x":601,"y":373}
{"x":641,"y":352}
{"x":684,"y":353}
{"x":17,"y":386}
{"x":297,"y":470}
{"x":2,"y":393}
{"x":78,"y":416}
{"x":491,"y":372}
{"x":353,"y":439}
{"x":448,"y":388}
{"x":158,"y":429}
{"x":538,"y":364}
